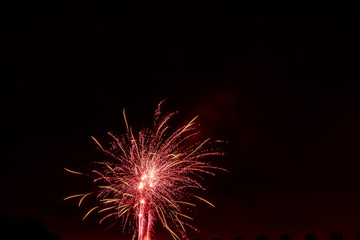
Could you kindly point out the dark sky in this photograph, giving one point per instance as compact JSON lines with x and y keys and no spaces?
{"x":278,"y":81}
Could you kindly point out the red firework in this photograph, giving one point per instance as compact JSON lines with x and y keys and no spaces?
{"x":149,"y":177}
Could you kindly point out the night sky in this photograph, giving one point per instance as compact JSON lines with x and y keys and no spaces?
{"x":278,"y":81}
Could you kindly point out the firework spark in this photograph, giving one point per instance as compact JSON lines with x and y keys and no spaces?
{"x":149,"y":177}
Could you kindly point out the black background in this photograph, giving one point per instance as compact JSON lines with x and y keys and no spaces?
{"x":279,"y":81}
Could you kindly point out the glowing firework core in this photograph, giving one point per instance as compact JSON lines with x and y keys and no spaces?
{"x":149,"y":178}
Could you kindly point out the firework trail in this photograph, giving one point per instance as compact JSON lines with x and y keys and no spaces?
{"x":149,"y":177}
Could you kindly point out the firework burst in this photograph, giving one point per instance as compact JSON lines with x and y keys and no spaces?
{"x":148,"y":178}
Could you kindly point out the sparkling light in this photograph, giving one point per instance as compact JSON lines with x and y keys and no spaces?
{"x":150,"y":177}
